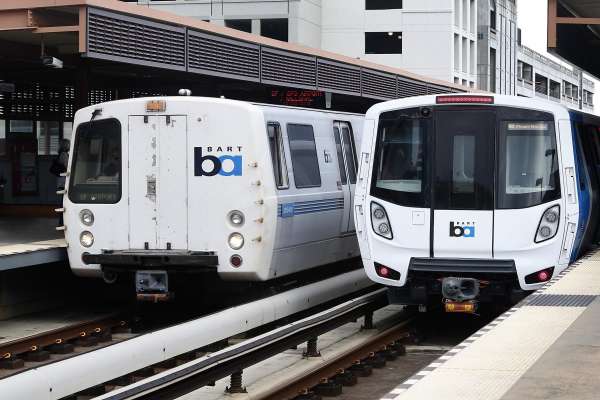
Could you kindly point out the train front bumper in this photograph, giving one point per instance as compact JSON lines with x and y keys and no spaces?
{"x":170,"y":260}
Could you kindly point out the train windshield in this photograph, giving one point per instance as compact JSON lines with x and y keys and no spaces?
{"x":401,"y":175}
{"x":96,"y":171}
{"x":528,"y":164}
{"x":455,"y":158}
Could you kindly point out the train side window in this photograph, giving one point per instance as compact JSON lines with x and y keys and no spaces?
{"x":278,"y":155}
{"x":340,"y":157}
{"x":303,"y":150}
{"x":350,"y":151}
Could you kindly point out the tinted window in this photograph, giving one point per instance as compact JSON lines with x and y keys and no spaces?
{"x":383,"y":42}
{"x":383,"y":4}
{"x":340,"y":156}
{"x":350,"y":153}
{"x":96,"y":171}
{"x":303,"y":150}
{"x":528,"y":172}
{"x":278,"y":155}
{"x":239,"y":24}
{"x":276,"y":28}
{"x":400,"y":174}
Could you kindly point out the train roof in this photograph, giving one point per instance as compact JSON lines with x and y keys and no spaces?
{"x":471,"y":98}
{"x":214,"y":100}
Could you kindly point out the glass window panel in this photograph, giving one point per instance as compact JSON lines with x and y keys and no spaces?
{"x":383,"y":4}
{"x":303,"y":149}
{"x":463,"y":165}
{"x":48,"y":137}
{"x":21,"y":126}
{"x":67,"y":130}
{"x":349,"y":153}
{"x":278,"y":155}
{"x":401,"y":164}
{"x":96,"y":175}
{"x":340,"y":156}
{"x":528,"y":164}
{"x":275,"y":28}
{"x":2,"y":137}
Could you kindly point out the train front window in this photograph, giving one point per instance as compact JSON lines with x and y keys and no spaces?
{"x":400,"y":170}
{"x":528,"y":172}
{"x":96,"y":171}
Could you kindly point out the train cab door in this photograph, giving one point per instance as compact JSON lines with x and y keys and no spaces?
{"x":157,"y":163}
{"x":346,"y":155}
{"x":463,"y":184}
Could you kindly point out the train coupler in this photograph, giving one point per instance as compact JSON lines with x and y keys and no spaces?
{"x":152,"y":286}
{"x":460,"y":295}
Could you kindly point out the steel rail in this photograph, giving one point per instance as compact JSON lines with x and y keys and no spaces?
{"x":196,"y":374}
{"x":341,"y":362}
{"x":61,"y":335}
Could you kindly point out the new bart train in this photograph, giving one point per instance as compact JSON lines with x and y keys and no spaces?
{"x":158,"y":186}
{"x":470,"y":198}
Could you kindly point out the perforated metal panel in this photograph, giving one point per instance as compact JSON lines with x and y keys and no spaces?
{"x":213,"y":55}
{"x":287,"y":68}
{"x":337,"y":77}
{"x":432,"y":89}
{"x":117,"y":37}
{"x":378,"y":85}
{"x":408,"y":88}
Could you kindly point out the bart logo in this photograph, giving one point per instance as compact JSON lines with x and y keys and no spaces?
{"x":462,"y":230}
{"x":224,"y":165}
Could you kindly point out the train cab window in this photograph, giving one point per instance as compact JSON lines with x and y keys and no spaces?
{"x":400,"y":171}
{"x":96,"y":171}
{"x":528,"y":173}
{"x":303,"y":150}
{"x":278,"y":155}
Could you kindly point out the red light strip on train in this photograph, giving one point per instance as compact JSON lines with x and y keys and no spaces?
{"x":465,"y":99}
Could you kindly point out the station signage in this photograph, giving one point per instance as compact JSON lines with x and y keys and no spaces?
{"x":298,"y":97}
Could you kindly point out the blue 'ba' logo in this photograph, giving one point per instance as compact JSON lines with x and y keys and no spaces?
{"x":462,"y":230}
{"x":224,"y":165}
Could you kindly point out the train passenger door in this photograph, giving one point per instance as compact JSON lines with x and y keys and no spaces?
{"x":463,"y":184}
{"x":346,"y":155}
{"x":157,"y":165}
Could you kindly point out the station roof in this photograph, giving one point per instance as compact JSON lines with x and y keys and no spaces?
{"x":127,"y":33}
{"x":574,"y":32}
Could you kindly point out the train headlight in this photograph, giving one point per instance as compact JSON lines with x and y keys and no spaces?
{"x":86,"y":217}
{"x":548,"y":226}
{"x":236,"y":218}
{"x":236,"y":241}
{"x":380,"y":221}
{"x":86,"y":239}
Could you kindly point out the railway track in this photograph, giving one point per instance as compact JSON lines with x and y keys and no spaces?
{"x":33,"y":351}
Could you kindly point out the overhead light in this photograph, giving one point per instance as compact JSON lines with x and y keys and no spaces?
{"x":52,"y":62}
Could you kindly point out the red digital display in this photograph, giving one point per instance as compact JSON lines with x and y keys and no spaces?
{"x":465,"y":99}
{"x":298,"y":97}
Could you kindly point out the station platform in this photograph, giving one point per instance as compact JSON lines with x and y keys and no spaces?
{"x":26,"y":242}
{"x":546,"y":347}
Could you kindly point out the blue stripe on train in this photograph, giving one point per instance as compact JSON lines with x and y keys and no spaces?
{"x":583,"y":194}
{"x":288,"y":210}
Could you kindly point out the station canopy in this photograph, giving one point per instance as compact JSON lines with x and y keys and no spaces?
{"x":574,"y":32}
{"x":107,"y":49}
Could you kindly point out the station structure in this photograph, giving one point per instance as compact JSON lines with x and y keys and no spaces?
{"x":472,"y":43}
{"x":57,"y":56}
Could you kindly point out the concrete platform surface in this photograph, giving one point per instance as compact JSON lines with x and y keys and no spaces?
{"x":17,"y":230}
{"x":546,"y":347}
{"x":25,"y":242}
